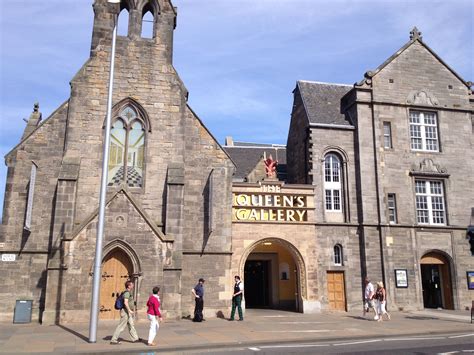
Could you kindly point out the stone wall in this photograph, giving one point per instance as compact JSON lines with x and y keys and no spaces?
{"x":297,"y":146}
{"x":27,"y":275}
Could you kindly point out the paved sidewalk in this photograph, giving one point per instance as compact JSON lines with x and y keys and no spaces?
{"x":260,"y":327}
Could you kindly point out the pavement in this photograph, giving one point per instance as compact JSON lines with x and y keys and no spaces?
{"x":260,"y":327}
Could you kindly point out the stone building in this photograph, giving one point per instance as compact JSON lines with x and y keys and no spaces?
{"x":375,"y":180}
{"x":391,"y":158}
{"x":160,"y":226}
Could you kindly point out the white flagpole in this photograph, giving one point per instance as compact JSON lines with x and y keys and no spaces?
{"x":94,"y":317}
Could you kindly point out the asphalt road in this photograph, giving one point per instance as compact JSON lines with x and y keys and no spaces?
{"x":439,"y":344}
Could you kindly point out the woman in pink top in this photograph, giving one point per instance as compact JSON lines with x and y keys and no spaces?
{"x":154,"y":314}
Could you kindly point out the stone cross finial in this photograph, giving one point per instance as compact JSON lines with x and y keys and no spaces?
{"x":415,"y":34}
{"x":35,"y":116}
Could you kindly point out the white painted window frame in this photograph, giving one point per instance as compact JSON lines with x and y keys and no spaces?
{"x":429,"y":196}
{"x":337,"y":252}
{"x":387,"y":136}
{"x":331,"y":186}
{"x":422,"y":124}
{"x":392,"y":197}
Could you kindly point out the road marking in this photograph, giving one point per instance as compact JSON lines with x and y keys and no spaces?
{"x":295,"y":331}
{"x":414,"y":338}
{"x":294,"y":346}
{"x":358,"y":342}
{"x":468,"y":351}
{"x":254,"y":349}
{"x":461,"y":336}
{"x":451,"y":352}
{"x":305,"y":322}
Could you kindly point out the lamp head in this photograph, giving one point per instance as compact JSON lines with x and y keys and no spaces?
{"x":113,"y":1}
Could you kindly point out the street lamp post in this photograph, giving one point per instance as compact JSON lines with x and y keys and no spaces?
{"x":103,"y":190}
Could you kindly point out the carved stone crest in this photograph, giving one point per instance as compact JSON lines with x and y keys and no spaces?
{"x":422,"y":97}
{"x":428,"y":168}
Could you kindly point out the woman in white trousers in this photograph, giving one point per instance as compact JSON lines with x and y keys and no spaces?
{"x":381,"y":297}
{"x":154,"y":315}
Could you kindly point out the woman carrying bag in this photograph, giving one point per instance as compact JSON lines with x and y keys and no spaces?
{"x":381,"y":297}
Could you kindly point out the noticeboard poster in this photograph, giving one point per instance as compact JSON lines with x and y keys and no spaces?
{"x":470,"y":280}
{"x":401,"y":278}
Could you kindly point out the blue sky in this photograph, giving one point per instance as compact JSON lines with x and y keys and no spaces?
{"x":239,"y":59}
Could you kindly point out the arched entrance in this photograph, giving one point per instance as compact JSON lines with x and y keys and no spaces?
{"x":436,"y":281}
{"x":117,"y":268}
{"x":273,"y":270}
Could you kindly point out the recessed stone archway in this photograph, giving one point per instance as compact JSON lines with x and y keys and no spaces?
{"x":128,"y":250}
{"x":297,"y":257}
{"x":436,"y":269}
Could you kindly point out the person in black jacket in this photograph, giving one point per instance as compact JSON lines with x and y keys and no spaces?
{"x":198,"y":292}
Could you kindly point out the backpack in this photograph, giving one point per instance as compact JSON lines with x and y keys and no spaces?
{"x":119,"y":302}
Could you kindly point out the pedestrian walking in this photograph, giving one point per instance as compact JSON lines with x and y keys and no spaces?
{"x":381,"y":297}
{"x":369,"y":293}
{"x":237,"y":298}
{"x":198,"y":292}
{"x":126,"y":316}
{"x":154,"y":315}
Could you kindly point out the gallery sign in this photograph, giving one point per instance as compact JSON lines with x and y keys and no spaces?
{"x":270,"y":204}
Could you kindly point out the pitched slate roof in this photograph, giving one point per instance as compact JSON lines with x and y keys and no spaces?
{"x":322,"y":102}
{"x":247,"y":155}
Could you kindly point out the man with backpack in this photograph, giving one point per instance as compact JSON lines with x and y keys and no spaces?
{"x":124,"y":303}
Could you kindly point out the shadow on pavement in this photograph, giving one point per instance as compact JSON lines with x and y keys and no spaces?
{"x":79,"y":335}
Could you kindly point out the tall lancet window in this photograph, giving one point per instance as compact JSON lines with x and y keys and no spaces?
{"x":332,"y":183}
{"x":127,"y":149}
{"x":148,"y":23}
{"x":122,"y":25}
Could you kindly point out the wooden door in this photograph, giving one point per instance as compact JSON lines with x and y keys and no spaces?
{"x":116,"y":270}
{"x":446,"y":287}
{"x":336,"y":292}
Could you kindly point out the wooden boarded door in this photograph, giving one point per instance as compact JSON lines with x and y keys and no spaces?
{"x":336,"y":292}
{"x":116,"y":270}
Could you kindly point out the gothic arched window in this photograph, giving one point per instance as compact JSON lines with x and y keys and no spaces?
{"x":147,"y":24}
{"x":332,"y":182}
{"x":123,"y":19}
{"x":127,"y":149}
{"x":338,"y":255}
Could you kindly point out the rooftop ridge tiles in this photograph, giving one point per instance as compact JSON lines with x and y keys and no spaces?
{"x":324,"y":83}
